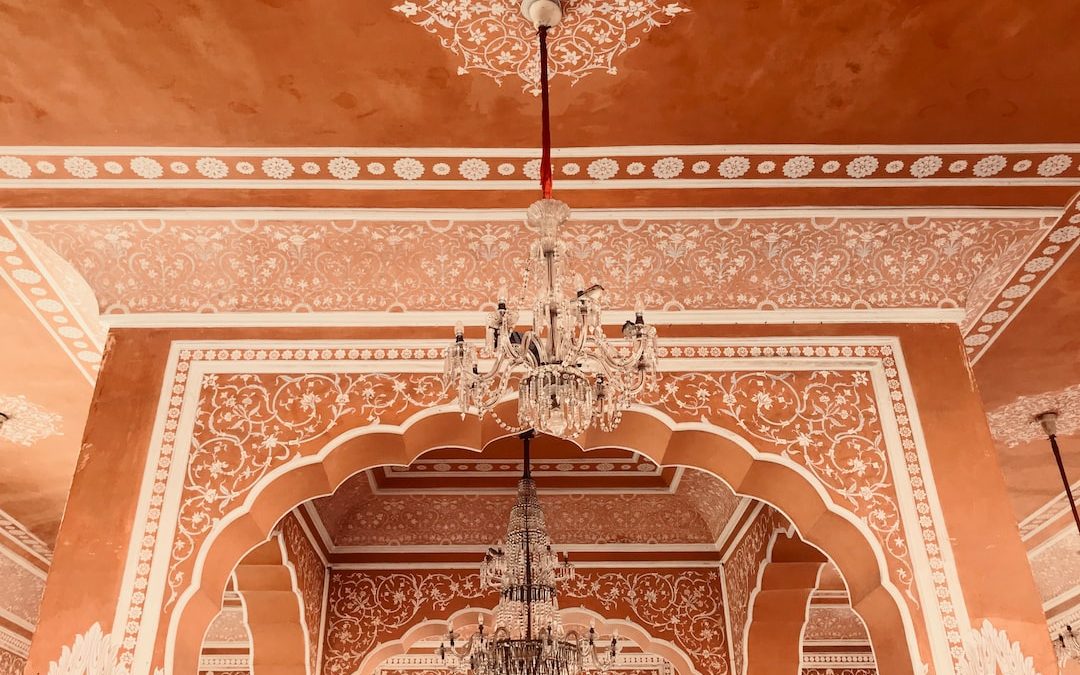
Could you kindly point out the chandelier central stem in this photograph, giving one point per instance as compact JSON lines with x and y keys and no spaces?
{"x":545,"y":103}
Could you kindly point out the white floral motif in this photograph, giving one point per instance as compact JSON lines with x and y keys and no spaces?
{"x":532,"y":169}
{"x":492,"y":39}
{"x":310,"y":168}
{"x":571,"y":168}
{"x":797,"y":167}
{"x":178,"y":167}
{"x":831,"y":166}
{"x":1022,"y":165}
{"x":45,"y":167}
{"x":1064,"y":234}
{"x":1015,"y":424}
{"x":375,"y":168}
{"x":443,"y":169}
{"x":766,"y":167}
{"x":80,"y":167}
{"x":861,"y":167}
{"x":343,"y":168}
{"x":667,"y":167}
{"x":700,"y":167}
{"x":895,"y":166}
{"x":211,"y":167}
{"x":1054,"y":165}
{"x":474,"y":169}
{"x":28,"y":422}
{"x":278,"y":168}
{"x":925,"y":166}
{"x":733,"y":167}
{"x":957,"y":166}
{"x":147,"y":167}
{"x":989,"y":166}
{"x":988,"y":651}
{"x":635,"y":168}
{"x":16,"y":167}
{"x":408,"y":168}
{"x":93,"y":653}
{"x":602,"y":169}
{"x":246,"y":168}
{"x":505,"y":169}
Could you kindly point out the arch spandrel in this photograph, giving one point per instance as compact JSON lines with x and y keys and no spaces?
{"x":300,"y":459}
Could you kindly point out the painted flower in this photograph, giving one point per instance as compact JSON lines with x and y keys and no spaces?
{"x":733,"y":167}
{"x":831,"y":166}
{"x":797,"y":167}
{"x":246,"y":168}
{"x":474,"y":169}
{"x":700,"y":167}
{"x":506,"y":169}
{"x":766,"y":167}
{"x":408,"y":168}
{"x":989,"y":166}
{"x":532,"y":169}
{"x":145,"y":167}
{"x":278,"y":168}
{"x":895,"y":166}
{"x":1022,"y":165}
{"x":310,"y":168}
{"x":667,"y":167}
{"x":635,"y":168}
{"x":80,"y":167}
{"x":571,"y":169}
{"x":16,"y":167}
{"x":211,"y":167}
{"x":861,"y":167}
{"x":178,"y":167}
{"x":603,"y":168}
{"x":375,"y":168}
{"x":957,"y":166}
{"x":45,"y":167}
{"x":1054,"y":165}
{"x":442,"y":168}
{"x":926,"y":165}
{"x":343,"y":168}
{"x":1064,"y":234}
{"x":113,"y":167}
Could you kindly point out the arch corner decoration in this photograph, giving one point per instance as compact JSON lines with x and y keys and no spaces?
{"x":368,"y":403}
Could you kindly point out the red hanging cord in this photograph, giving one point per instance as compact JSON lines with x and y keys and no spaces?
{"x":545,"y":157}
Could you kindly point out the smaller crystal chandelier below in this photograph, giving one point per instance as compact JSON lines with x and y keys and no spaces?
{"x":528,"y":637}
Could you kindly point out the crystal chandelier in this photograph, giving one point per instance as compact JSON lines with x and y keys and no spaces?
{"x":528,"y":637}
{"x":568,"y":375}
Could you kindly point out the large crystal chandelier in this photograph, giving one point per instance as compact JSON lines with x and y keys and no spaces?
{"x":568,"y":374}
{"x":528,"y":637}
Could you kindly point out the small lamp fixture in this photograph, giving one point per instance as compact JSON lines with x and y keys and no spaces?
{"x":1048,"y":421}
{"x":1067,"y":646}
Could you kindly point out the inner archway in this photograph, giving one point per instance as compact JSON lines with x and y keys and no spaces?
{"x":715,"y":451}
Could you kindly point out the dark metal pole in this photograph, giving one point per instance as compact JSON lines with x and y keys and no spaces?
{"x":1048,"y":420}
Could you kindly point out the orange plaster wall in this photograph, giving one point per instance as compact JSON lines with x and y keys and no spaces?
{"x":90,"y":557}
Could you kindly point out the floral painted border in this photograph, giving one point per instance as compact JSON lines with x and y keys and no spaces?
{"x":1044,"y":259}
{"x":947,"y":602}
{"x":578,"y":168}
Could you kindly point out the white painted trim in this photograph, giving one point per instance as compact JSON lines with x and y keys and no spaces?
{"x":22,"y":562}
{"x":745,"y":638}
{"x":1060,"y":501}
{"x":579,"y":564}
{"x":309,"y":536}
{"x":5,"y":516}
{"x":532,"y":152}
{"x":224,"y":662}
{"x":479,"y":549}
{"x":298,"y":594}
{"x":477,"y":318}
{"x":1026,"y":299}
{"x":14,"y":643}
{"x":470,"y":215}
{"x":320,"y":527}
{"x":745,"y":504}
{"x":17,"y":620}
{"x":1064,"y":533}
{"x":758,"y":506}
{"x":727,"y":616}
{"x":322,"y":621}
{"x":1060,"y":598}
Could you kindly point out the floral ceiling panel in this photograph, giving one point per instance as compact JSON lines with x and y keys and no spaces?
{"x":187,"y":265}
{"x":694,"y":513}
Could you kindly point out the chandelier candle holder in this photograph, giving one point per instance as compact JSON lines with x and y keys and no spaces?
{"x":568,"y":374}
{"x":528,"y":637}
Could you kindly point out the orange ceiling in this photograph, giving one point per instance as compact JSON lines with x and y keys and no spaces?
{"x":337,"y":73}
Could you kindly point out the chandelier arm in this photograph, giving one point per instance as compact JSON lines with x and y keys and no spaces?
{"x":610,"y":355}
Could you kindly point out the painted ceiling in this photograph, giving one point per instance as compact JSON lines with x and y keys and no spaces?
{"x":720,"y":156}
